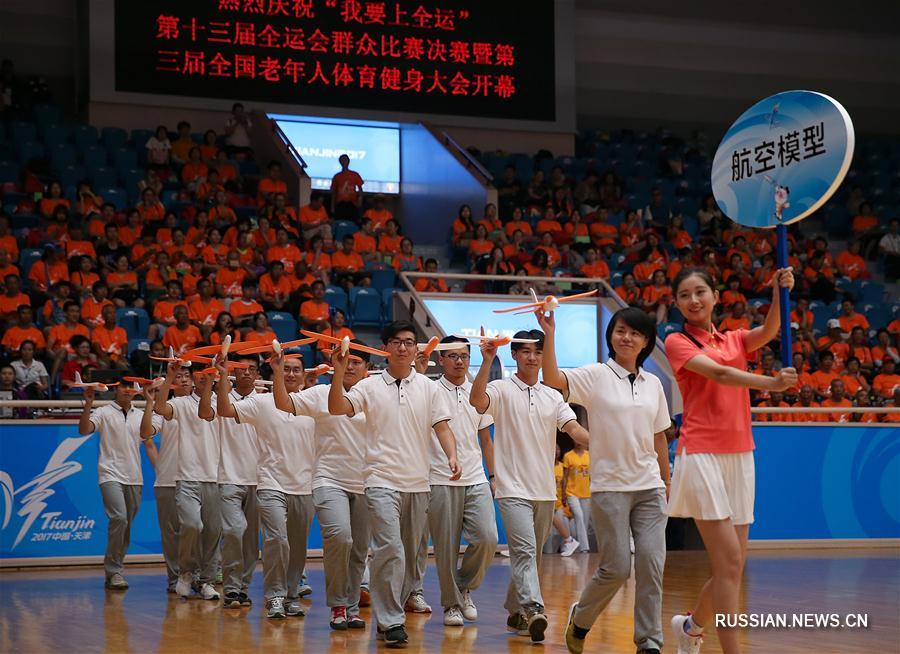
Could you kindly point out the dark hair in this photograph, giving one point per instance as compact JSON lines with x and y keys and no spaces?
{"x":238,"y":356}
{"x":393,"y":328}
{"x":640,"y":321}
{"x":77,"y":340}
{"x":826,"y":355}
{"x":457,"y":339}
{"x":684,"y":273}
{"x":528,"y":333}
{"x":247,"y":283}
{"x":69,"y":304}
{"x":360,"y":353}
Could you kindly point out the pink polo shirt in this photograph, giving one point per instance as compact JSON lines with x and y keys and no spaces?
{"x":716,"y":417}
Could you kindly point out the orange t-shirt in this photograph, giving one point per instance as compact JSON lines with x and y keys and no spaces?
{"x":478,"y":248}
{"x":772,"y":417}
{"x":214,"y":254}
{"x":181,"y":340}
{"x":822,"y":381}
{"x":269,"y":286}
{"x":729,"y":297}
{"x":230,"y":279}
{"x":553,"y":257}
{"x":261,"y":337}
{"x":116,"y":278}
{"x":681,"y":239}
{"x":885,"y":384}
{"x":837,"y":417}
{"x":596,"y":269}
{"x":91,"y":310}
{"x":863,"y":223}
{"x":15,"y":336}
{"x":362,"y":242}
{"x":344,"y":185}
{"x":851,"y":265}
{"x":289,"y":255}
{"x":296,"y":283}
{"x":632,"y":296}
{"x":240,"y":308}
{"x":40,"y":274}
{"x":521,"y":225}
{"x":352,"y":262}
{"x":340,"y":333}
{"x":11,"y":304}
{"x":314,"y":311}
{"x":215,"y":338}
{"x":154,"y":212}
{"x":164,"y":311}
{"x":224,"y":213}
{"x":389,"y":244}
{"x":11,"y":245}
{"x":268,"y":186}
{"x":730,"y":323}
{"x":379,"y":217}
{"x":544,"y":225}
{"x":402,"y":262}
{"x":851,"y":384}
{"x":205,"y":313}
{"x":192,"y":171}
{"x":84,"y":280}
{"x":807,"y":417}
{"x":643,"y":272}
{"x":48,"y":205}
{"x":657,"y":295}
{"x":849,"y":322}
{"x":311,"y":217}
{"x":112,"y":341}
{"x":317,"y":262}
{"x":60,"y":335}
{"x":79,"y":248}
{"x":426,"y":285}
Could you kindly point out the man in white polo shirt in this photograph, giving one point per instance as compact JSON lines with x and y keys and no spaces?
{"x":526,"y":416}
{"x":338,"y":490}
{"x":237,"y":486}
{"x":464,"y":507}
{"x":401,"y":407}
{"x":118,"y":471}
{"x":196,"y":486}
{"x":284,"y":483}
{"x":165,"y":461}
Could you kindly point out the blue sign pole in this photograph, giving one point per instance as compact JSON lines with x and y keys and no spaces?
{"x":784,"y":295}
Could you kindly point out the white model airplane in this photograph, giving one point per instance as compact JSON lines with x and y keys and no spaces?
{"x":549,"y":303}
{"x":172,"y":358}
{"x":344,"y":343}
{"x":498,"y":341}
{"x":97,"y":386}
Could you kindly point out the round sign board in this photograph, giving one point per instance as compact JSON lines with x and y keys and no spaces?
{"x":782,"y":159}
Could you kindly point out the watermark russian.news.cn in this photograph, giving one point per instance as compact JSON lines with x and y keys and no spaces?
{"x":792,"y":620}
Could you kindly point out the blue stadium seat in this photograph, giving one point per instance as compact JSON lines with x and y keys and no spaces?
{"x":139,"y":138}
{"x":116,"y":196}
{"x":114,"y":137}
{"x":342,"y":228}
{"x":46,"y":114}
{"x":387,"y":303}
{"x":336,"y":297}
{"x":9,"y":171}
{"x":283,"y":324}
{"x":137,"y":343}
{"x":27,"y":257}
{"x":382,"y":279}
{"x":54,"y":135}
{"x":93,"y":156}
{"x":134,"y":321}
{"x":366,"y":306}
{"x":872,"y":293}
{"x":71,"y":175}
{"x":124,"y":159}
{"x":84,"y":136}
{"x":63,"y":155}
{"x":21,"y":131}
{"x":102,"y":177}
{"x":29,"y":151}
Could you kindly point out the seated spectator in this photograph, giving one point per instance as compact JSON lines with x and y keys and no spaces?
{"x":849,"y":318}
{"x":160,"y":273}
{"x":893,"y":417}
{"x":736,"y":320}
{"x":83,"y":362}
{"x":538,"y":266}
{"x":853,"y":379}
{"x":819,"y":279}
{"x":464,"y":227}
{"x":110,"y":342}
{"x":433,"y":284}
{"x":314,"y":313}
{"x":517,"y":223}
{"x":150,"y":209}
{"x":378,"y":213}
{"x":851,"y":264}
{"x":775,"y":399}
{"x":314,"y":220}
{"x":260,"y":332}
{"x":152,"y":180}
{"x":677,"y":235}
{"x":889,"y":248}
{"x":364,"y":242}
{"x":84,"y":277}
{"x":858,"y":348}
{"x":209,"y":149}
{"x":24,"y":330}
{"x":494,"y":264}
{"x":60,"y":336}
{"x":802,"y":315}
{"x":8,"y":242}
{"x":546,"y":245}
{"x":826,"y":374}
{"x":538,"y":193}
{"x":237,"y":133}
{"x":865,"y":226}
{"x":491,"y":221}
{"x":480,"y":245}
{"x":837,"y":398}
{"x":275,"y":288}
{"x":346,"y":192}
{"x":264,"y":235}
{"x":243,"y":309}
{"x":337,"y":329}
{"x":346,"y":262}
{"x":130,"y":232}
{"x":389,"y":239}
{"x":53,"y":199}
{"x":587,"y":193}
{"x":806,"y":399}
{"x":685,"y":260}
{"x":12,"y":299}
{"x":31,"y":375}
{"x":159,"y":149}
{"x":182,"y":336}
{"x":87,"y":203}
{"x":224,"y":327}
{"x":884,"y":349}
{"x":406,"y":261}
{"x":8,"y":391}
{"x":194,"y":172}
{"x":230,"y":278}
{"x":164,"y":309}
{"x":227,"y":171}
{"x":271,"y":184}
{"x":657,"y":297}
{"x":631,"y":233}
{"x":301,"y":285}
{"x":861,"y":398}
{"x":48,"y":271}
{"x":181,"y":253}
{"x":833,"y":342}
{"x":515,"y":251}
{"x":548,"y":223}
{"x":53,"y":311}
{"x":123,"y":284}
{"x":576,"y":231}
{"x":6,"y":265}
{"x":215,"y":252}
{"x":594,"y":266}
{"x":887,"y":381}
{"x":732,"y":293}
{"x":284,"y":251}
{"x":803,"y":342}
{"x":737,"y":269}
{"x":204,"y":309}
{"x":146,"y":367}
{"x":182,"y":146}
{"x":221,"y":214}
{"x":317,"y":260}
{"x":657,"y":213}
{"x":191,"y":274}
{"x":207,"y":189}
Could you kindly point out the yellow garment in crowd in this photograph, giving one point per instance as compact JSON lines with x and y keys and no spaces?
{"x":579,"y":470}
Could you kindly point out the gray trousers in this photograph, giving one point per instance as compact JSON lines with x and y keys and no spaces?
{"x":527,"y":524}
{"x":167,"y":515}
{"x":200,"y":526}
{"x":344,"y":521}
{"x":584,"y":525}
{"x":616,"y":516}
{"x":120,"y":502}
{"x":240,"y":536}
{"x":397,"y":520}
{"x":285,"y":521}
{"x":468,"y":512}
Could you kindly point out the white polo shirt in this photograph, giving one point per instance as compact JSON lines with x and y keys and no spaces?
{"x":340,"y":442}
{"x":623,"y":419}
{"x":240,"y":450}
{"x":120,"y":443}
{"x":198,"y":441}
{"x":465,"y":424}
{"x":167,"y":461}
{"x":286,"y":445}
{"x":399,"y":420}
{"x":525,"y":422}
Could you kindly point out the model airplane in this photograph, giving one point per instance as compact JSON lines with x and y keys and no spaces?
{"x":435,"y":345}
{"x":173,"y":359}
{"x":97,"y":386}
{"x":345,"y":344}
{"x":549,"y":303}
{"x":498,"y":341}
{"x":275,"y":346}
{"x":143,"y":381}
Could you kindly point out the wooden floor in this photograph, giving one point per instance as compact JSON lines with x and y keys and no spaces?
{"x":67,"y":610}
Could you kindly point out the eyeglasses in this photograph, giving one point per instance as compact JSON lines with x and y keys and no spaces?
{"x":252,"y":370}
{"x":407,"y":342}
{"x":453,"y":356}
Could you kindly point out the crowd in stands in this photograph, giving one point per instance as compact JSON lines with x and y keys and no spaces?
{"x":113,"y":247}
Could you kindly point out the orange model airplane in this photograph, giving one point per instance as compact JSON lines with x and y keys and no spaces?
{"x":345,"y":344}
{"x":97,"y":386}
{"x":498,"y":341}
{"x":549,"y":303}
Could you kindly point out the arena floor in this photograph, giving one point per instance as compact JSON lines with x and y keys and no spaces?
{"x":53,"y":610}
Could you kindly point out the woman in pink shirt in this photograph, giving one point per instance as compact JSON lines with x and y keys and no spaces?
{"x":714,"y":474}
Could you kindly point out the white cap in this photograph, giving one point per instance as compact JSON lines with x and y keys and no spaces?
{"x":834,"y":322}
{"x":795,"y":325}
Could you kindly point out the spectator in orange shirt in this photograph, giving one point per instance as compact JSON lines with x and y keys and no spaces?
{"x":164,"y":309}
{"x":823,"y":377}
{"x":346,"y":192}
{"x":209,"y":149}
{"x":657,"y":297}
{"x":194,"y":171}
{"x":378,"y":213}
{"x":884,"y":349}
{"x":849,"y":318}
{"x":893,"y":417}
{"x":261,"y":333}
{"x":736,"y":320}
{"x":629,"y":291}
{"x":685,"y":260}
{"x":517,"y":222}
{"x":84,"y":362}
{"x":207,"y":189}
{"x":886,"y":382}
{"x":6,"y":266}
{"x":92,"y":306}
{"x":806,"y":399}
{"x":547,"y":246}
{"x":84,"y":277}
{"x":776,"y":399}
{"x":12,"y":299}
{"x":833,"y":342}
{"x":389,"y":240}
{"x":853,"y":379}
{"x":861,"y":399}
{"x":280,"y":213}
{"x":182,"y":146}
{"x":406,"y":261}
{"x":837,"y":398}
{"x":110,"y":341}
{"x":158,"y":275}
{"x":224,"y":327}
{"x":230,"y":278}
{"x":243,"y":309}
{"x":802,"y":315}
{"x":851,"y":264}
{"x":53,"y":199}
{"x":222,"y":214}
{"x":732,"y":293}
{"x":59,"y":336}
{"x":463,"y":227}
{"x":150,"y":208}
{"x":364,"y":241}
{"x":7,"y":241}
{"x":205,"y":308}
{"x":480,"y":245}
{"x":858,"y":348}
{"x":317,"y":260}
{"x":594,"y":266}
{"x":275,"y":288}
{"x":347,"y":263}
{"x":491,"y":222}
{"x":48,"y":271}
{"x":314,"y":313}
{"x":678,"y":236}
{"x":643,"y":272}
{"x":130,"y":232}
{"x":24,"y":330}
{"x":337,"y":329}
{"x":123,"y":284}
{"x":301,"y":285}
{"x":182,"y":336}
{"x":271,"y":184}
{"x":548,"y":223}
{"x":576,"y":231}
{"x":215,"y":252}
{"x":284,"y":251}
{"x":228,"y":173}
{"x":431,"y":284}
{"x":75,"y":245}
{"x":314,"y":220}
{"x":865,"y":228}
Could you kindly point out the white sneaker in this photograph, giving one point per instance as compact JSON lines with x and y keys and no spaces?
{"x":183,"y":585}
{"x":631,"y":543}
{"x":208,"y":592}
{"x":569,"y":547}
{"x":469,"y":611}
{"x":453,"y":617}
{"x":416,"y":604}
{"x":687,"y":644}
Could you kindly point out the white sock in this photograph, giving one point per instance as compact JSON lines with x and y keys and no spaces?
{"x":691,"y":628}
